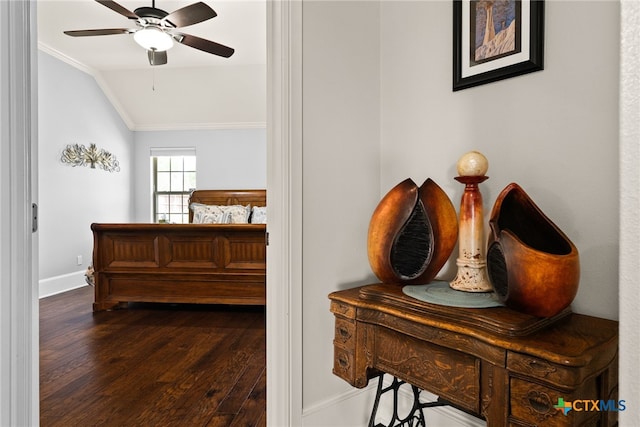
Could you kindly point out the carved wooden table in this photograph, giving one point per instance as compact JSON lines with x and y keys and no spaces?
{"x":506,"y":367}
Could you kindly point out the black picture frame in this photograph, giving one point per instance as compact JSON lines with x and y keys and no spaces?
{"x":470,"y":68}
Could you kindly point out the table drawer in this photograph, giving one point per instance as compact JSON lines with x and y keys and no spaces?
{"x":345,"y":334}
{"x":453,"y":375}
{"x":344,"y":364}
{"x":341,"y":309}
{"x":535,"y":404}
{"x":556,"y":375}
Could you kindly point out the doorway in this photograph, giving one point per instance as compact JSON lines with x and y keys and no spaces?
{"x":20,"y":396}
{"x":85,"y":259}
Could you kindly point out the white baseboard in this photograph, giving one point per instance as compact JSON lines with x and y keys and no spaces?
{"x":350,"y":409}
{"x":63,"y":283}
{"x":353,"y":409}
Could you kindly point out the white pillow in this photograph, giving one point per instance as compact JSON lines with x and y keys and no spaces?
{"x":236,"y":214}
{"x":259,"y":215}
{"x":207,"y":214}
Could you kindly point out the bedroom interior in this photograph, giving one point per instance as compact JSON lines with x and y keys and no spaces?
{"x":102,"y":90}
{"x":213,"y":108}
{"x":403,"y":130}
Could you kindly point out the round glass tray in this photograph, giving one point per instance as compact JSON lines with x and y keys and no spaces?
{"x":439,"y":292}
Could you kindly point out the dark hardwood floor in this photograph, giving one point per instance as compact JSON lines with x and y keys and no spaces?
{"x":150,"y":364}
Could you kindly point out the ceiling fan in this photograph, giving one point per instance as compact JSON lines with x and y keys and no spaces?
{"x":156,"y":29}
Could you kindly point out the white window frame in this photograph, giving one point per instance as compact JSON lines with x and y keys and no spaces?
{"x":166,"y":152}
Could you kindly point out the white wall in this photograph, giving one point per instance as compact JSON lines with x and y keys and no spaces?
{"x":555,"y":132}
{"x":378,"y":108}
{"x":235,"y":95}
{"x":629,"y":208}
{"x":341,"y":164}
{"x":73,"y":110}
{"x":226,"y":159}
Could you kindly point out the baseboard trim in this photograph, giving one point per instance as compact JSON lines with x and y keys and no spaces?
{"x":349,"y":409}
{"x":353,"y":409}
{"x":63,"y":283}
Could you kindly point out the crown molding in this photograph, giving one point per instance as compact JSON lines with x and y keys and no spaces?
{"x":200,"y":126}
{"x":65,"y":58}
{"x":97,"y":77}
{"x":131,"y":125}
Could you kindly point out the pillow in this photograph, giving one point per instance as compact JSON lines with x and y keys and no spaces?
{"x":220,"y":214}
{"x":259,"y":215}
{"x":237,"y":214}
{"x":207,"y":214}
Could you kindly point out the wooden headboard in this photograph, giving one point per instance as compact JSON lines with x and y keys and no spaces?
{"x":228,"y":197}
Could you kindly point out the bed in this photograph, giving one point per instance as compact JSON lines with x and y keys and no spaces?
{"x":217,"y":263}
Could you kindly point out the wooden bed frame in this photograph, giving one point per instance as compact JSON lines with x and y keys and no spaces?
{"x":182,"y":263}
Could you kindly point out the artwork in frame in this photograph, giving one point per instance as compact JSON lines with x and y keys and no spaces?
{"x":495,"y":40}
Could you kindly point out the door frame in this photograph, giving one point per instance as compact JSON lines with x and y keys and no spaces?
{"x":19,"y":343}
{"x":284,"y":204}
{"x":19,"y":346}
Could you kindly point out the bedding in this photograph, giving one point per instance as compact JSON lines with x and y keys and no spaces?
{"x":216,"y":214}
{"x":259,"y":215}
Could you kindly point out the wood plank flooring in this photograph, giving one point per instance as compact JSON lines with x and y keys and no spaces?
{"x":150,"y":364}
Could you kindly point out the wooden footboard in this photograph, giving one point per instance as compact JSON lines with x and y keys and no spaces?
{"x":179,"y":263}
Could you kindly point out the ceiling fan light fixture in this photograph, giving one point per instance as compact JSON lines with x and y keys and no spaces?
{"x":153,"y":38}
{"x":155,"y":29}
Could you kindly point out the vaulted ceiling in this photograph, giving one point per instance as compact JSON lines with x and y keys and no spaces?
{"x":193,"y":90}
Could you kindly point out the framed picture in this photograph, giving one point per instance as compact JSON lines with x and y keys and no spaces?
{"x":495,"y":40}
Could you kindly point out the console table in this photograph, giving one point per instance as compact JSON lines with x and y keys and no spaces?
{"x":506,"y":367}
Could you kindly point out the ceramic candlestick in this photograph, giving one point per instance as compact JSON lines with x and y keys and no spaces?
{"x":472,"y":264}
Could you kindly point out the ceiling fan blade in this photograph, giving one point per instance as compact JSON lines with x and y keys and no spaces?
{"x":190,"y":15}
{"x":102,"y":32}
{"x":157,"y":57}
{"x":118,"y":8}
{"x":204,"y":45}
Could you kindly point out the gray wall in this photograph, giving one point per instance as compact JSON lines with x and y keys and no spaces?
{"x":226,"y":159}
{"x":341,"y":174}
{"x":378,"y":108}
{"x":554,"y":132}
{"x":73,"y":110}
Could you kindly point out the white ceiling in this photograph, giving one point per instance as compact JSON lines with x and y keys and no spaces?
{"x":136,"y":89}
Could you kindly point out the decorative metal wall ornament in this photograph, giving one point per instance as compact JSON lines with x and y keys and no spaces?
{"x":79,"y":155}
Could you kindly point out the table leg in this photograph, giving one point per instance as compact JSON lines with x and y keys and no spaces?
{"x":415,"y":418}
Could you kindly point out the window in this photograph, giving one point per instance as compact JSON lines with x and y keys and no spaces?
{"x":174,"y":177}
